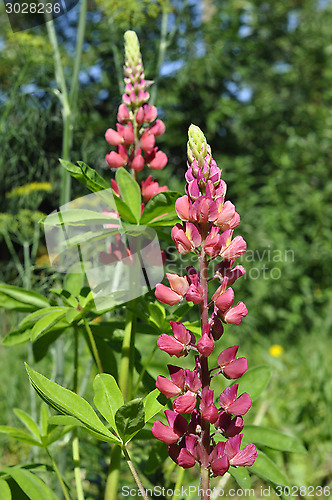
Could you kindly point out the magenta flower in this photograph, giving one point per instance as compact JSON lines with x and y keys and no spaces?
{"x":240,"y":458}
{"x":208,"y":408}
{"x":178,"y":426}
{"x":233,"y":405}
{"x":229,"y":426}
{"x":179,"y":344}
{"x":232,"y":368}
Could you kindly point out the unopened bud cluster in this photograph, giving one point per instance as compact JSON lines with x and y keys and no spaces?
{"x":207,"y":226}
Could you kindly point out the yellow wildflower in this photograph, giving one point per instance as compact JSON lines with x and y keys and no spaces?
{"x":276,"y":350}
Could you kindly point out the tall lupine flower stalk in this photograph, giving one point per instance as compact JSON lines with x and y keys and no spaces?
{"x":206,"y":229}
{"x":137,"y":126}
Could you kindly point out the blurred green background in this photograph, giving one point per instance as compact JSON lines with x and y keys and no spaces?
{"x":256,"y":76}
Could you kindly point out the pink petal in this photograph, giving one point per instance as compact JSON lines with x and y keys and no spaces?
{"x":170,"y":345}
{"x":166,"y":295}
{"x":164,"y":433}
{"x":241,"y":405}
{"x":227,"y":355}
{"x":220,"y":466}
{"x":235,"y":314}
{"x":225,"y":300}
{"x":185,"y":403}
{"x":178,"y":283}
{"x":185,"y":459}
{"x":245,"y":457}
{"x":232,"y":446}
{"x":167,"y":387}
{"x":236,"y":368}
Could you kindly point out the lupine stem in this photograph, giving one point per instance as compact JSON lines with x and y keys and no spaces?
{"x":93,"y":346}
{"x":75,"y":443}
{"x":205,"y":379}
{"x":56,"y":470}
{"x":134,"y":473}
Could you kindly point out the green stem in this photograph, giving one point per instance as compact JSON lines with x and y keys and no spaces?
{"x":134,"y":473}
{"x":111,"y":490}
{"x":178,"y":484}
{"x":142,"y":372}
{"x":162,"y":51}
{"x":62,"y":484}
{"x":19,"y":267}
{"x":93,"y":346}
{"x":128,"y":357}
{"x":75,"y":443}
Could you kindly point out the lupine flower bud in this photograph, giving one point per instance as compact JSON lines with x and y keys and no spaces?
{"x":208,"y":408}
{"x":123,"y":114}
{"x":113,"y":137}
{"x":159,"y":161}
{"x":150,"y":188}
{"x":115,"y":160}
{"x":138,"y":162}
{"x":147,"y":140}
{"x":205,"y":345}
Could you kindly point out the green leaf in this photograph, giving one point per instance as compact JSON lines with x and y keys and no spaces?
{"x":18,"y":434}
{"x":73,"y":283}
{"x":47,"y":323}
{"x":241,"y":476}
{"x":272,"y":438}
{"x":78,"y":217}
{"x":32,"y":318}
{"x":28,"y":422}
{"x":17,"y":337}
{"x":130,"y":191}
{"x":69,"y":403}
{"x":254,"y":381}
{"x":86,"y":175}
{"x":5,"y":493}
{"x":268,"y":470}
{"x":157,"y":315}
{"x":153,"y":403}
{"x":129,"y":419}
{"x":67,"y":298}
{"x":32,"y":486}
{"x":160,"y":209}
{"x":108,"y":397}
{"x":19,"y":299}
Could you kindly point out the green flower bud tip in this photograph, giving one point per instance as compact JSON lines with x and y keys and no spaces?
{"x":197,"y":144}
{"x":132,"y":47}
